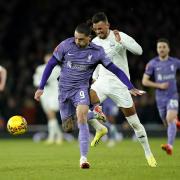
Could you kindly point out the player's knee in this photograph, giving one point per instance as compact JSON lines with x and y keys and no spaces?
{"x":68,"y":124}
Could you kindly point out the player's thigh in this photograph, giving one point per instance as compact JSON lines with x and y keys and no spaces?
{"x":99,"y":92}
{"x":162,"y":112}
{"x":81,"y":101}
{"x":172,"y":110}
{"x":67,"y":111}
{"x":81,"y":97}
{"x":94,"y":97}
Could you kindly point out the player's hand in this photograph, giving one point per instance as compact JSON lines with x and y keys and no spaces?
{"x":164,"y":85}
{"x":38,"y":94}
{"x":137,"y":92}
{"x":117,"y":35}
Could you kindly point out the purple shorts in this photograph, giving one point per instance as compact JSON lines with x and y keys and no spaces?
{"x":69,"y":100}
{"x":167,"y":104}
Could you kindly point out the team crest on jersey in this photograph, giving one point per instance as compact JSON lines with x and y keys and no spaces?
{"x":172,"y":67}
{"x":89,"y":58}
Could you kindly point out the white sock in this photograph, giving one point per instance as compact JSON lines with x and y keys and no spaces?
{"x":58,"y":132}
{"x":51,"y":133}
{"x":140,"y":133}
{"x":96,"y":124}
{"x":54,"y":130}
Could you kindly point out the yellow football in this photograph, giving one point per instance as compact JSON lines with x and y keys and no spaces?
{"x":17,"y":125}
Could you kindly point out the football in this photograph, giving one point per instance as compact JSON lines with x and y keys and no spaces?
{"x":17,"y":125}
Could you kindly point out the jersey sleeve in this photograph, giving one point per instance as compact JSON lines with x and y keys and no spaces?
{"x":130,"y":44}
{"x":59,"y":51}
{"x":149,"y":70}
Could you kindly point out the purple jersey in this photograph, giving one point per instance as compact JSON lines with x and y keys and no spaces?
{"x":164,"y":71}
{"x":78,"y":64}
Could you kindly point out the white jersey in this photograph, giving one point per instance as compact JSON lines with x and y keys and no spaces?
{"x":117,"y":53}
{"x":107,"y":84}
{"x":52,"y":83}
{"x":49,"y":99}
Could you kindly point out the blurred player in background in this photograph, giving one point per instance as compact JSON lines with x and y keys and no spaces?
{"x":111,"y":111}
{"x":78,"y":58}
{"x":163,"y":68}
{"x":49,"y":101}
{"x":116,"y":44}
{"x":3,"y":77}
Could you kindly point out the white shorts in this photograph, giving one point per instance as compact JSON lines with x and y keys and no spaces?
{"x":119,"y":94}
{"x":49,"y":101}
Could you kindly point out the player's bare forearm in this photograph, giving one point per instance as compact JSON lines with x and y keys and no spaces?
{"x":147,"y":82}
{"x":38,"y":94}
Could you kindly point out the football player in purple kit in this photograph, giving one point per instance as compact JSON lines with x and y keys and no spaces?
{"x":163,"y":68}
{"x":78,"y":58}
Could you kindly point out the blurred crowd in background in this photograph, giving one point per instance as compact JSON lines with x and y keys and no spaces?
{"x":30,"y":29}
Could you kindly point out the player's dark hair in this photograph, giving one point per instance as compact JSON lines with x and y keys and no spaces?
{"x":84,"y":29}
{"x":164,"y":40}
{"x":100,"y":16}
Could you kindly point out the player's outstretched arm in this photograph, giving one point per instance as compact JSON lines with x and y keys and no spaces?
{"x":147,"y":82}
{"x":122,"y":76}
{"x":47,"y":71}
{"x":128,"y":42}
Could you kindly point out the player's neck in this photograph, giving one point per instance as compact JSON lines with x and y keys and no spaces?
{"x":164,"y":58}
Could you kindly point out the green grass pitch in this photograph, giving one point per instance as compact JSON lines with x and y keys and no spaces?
{"x":22,"y":159}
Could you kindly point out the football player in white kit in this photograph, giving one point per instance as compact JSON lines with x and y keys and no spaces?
{"x":116,"y":44}
{"x":49,"y":101}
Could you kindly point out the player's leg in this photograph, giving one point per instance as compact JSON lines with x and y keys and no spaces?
{"x":171,"y":118}
{"x":54,"y":107}
{"x":133,"y":120}
{"x":124,"y":100}
{"x":81,"y":101}
{"x":53,"y":126}
{"x":111,"y":111}
{"x":101,"y":130}
{"x":50,"y":114}
{"x":81,"y":112}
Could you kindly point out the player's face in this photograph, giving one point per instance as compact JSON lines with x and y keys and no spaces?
{"x":81,"y":40}
{"x":101,"y":29}
{"x":163,"y":49}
